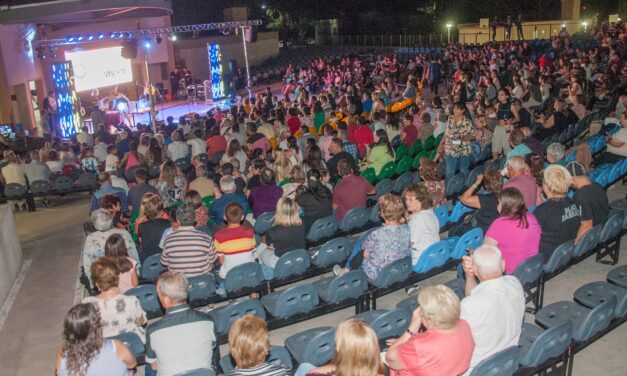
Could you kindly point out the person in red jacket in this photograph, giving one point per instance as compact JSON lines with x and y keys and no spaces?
{"x":362,"y":136}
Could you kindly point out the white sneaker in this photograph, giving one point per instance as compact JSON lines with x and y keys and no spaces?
{"x":337,"y":269}
{"x":413,"y":290}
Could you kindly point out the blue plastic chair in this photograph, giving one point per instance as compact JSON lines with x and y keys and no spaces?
{"x":560,"y":257}
{"x":470,"y":240}
{"x":291,"y":263}
{"x":442,"y":213}
{"x":455,"y":186}
{"x":595,"y":293}
{"x":40,"y":188}
{"x":201,"y":289}
{"x":374,"y":216}
{"x":133,"y":342}
{"x":383,"y":187}
{"x":147,"y":295}
{"x":612,"y":228}
{"x":292,"y":301}
{"x":354,"y":219}
{"x":335,"y":251}
{"x":151,"y":268}
{"x":409,"y":304}
{"x":336,"y":289}
{"x":315,"y":346}
{"x":536,"y":346}
{"x":458,"y":285}
{"x":264,"y":222}
{"x":459,"y":211}
{"x":248,"y":275}
{"x":15,"y":191}
{"x":588,"y":241}
{"x":402,"y":182}
{"x":503,"y":363}
{"x":223,"y":317}
{"x":387,"y":324}
{"x":434,"y":256}
{"x":63,"y":184}
{"x":322,"y":228}
{"x":618,"y":276}
{"x":277,"y":355}
{"x":396,"y":271}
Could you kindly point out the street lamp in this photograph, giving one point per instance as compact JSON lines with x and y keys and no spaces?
{"x":448,"y":28}
{"x":585,"y":25}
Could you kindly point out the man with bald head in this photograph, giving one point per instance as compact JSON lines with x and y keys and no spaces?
{"x":495,"y":308}
{"x":526,"y":184}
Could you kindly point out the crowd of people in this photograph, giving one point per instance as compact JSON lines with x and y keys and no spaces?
{"x":300,"y":156}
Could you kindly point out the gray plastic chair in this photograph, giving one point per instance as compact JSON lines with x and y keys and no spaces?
{"x":63,"y":184}
{"x":87,"y":182}
{"x":354,"y":219}
{"x":458,"y":285}
{"x":147,"y":295}
{"x":200,"y":289}
{"x":402,"y":182}
{"x":595,"y":293}
{"x":40,"y":188}
{"x":132,"y":341}
{"x":151,"y":268}
{"x":612,"y":228}
{"x":536,"y":345}
{"x":264,"y":222}
{"x":560,"y":257}
{"x":503,"y":363}
{"x":387,"y":324}
{"x":335,"y":251}
{"x":292,"y":301}
{"x":618,"y":276}
{"x":315,"y":346}
{"x":374,"y":216}
{"x":588,"y":242}
{"x":14,"y":191}
{"x":396,"y":271}
{"x":223,"y":317}
{"x":244,"y":276}
{"x":197,"y":372}
{"x":336,"y":289}
{"x":383,"y":187}
{"x":322,"y":228}
{"x":291,"y":263}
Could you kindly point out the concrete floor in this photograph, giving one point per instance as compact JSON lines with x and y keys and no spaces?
{"x":52,"y":240}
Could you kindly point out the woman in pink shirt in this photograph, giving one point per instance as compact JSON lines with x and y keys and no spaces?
{"x":516,"y":231}
{"x":115,"y":248}
{"x":443,"y":349}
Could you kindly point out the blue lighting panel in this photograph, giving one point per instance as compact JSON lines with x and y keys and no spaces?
{"x":215,"y":67}
{"x":68,"y":118}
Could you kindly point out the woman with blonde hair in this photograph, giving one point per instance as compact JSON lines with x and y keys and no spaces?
{"x":250,"y":344}
{"x":282,"y":167}
{"x":429,"y":352}
{"x":558,"y":216}
{"x":297,"y":179}
{"x":171,"y":183}
{"x":151,"y":224}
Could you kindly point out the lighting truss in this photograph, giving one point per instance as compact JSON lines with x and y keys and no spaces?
{"x":149,"y":32}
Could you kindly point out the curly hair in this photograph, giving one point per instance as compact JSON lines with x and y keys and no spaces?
{"x":168,"y":173}
{"x":82,"y":338}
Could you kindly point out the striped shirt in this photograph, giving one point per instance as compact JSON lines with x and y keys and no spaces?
{"x":265,"y":369}
{"x":236,"y":245}
{"x":188,"y":251}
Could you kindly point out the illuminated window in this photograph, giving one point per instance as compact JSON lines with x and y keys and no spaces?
{"x":215,"y":67}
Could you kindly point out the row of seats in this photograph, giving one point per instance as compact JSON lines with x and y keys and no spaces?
{"x":60,"y":185}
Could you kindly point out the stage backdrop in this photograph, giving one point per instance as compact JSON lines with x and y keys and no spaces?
{"x":98,"y":68}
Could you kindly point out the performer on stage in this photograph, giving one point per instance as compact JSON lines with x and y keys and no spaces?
{"x":494,"y":25}
{"x":50,"y":108}
{"x":175,"y":77}
{"x":187,"y":74}
{"x":508,"y":28}
{"x":121,"y":104}
{"x":519,"y":29}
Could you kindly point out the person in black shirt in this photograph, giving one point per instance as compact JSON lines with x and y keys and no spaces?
{"x":558,"y":216}
{"x":337,"y":151}
{"x":522,"y":115}
{"x":316,"y":200}
{"x":151,"y":229}
{"x":137,"y":192}
{"x":485,"y":203}
{"x":590,"y":197}
{"x":254,"y":180}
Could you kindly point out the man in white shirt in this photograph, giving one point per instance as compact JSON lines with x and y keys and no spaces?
{"x":197,"y":143}
{"x":84,"y":137}
{"x":100,"y":150}
{"x":35,"y":170}
{"x":177,"y":149}
{"x":616,"y":145}
{"x":495,"y":308}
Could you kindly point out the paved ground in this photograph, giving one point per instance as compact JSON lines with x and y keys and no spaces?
{"x":52,"y":238}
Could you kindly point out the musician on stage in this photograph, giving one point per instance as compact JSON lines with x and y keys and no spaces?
{"x":187,"y":74}
{"x":494,"y":24}
{"x":175,"y":77}
{"x":519,"y":28}
{"x":508,"y":28}
{"x":50,"y":110}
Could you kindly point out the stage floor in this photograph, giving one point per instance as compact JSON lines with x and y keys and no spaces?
{"x":179,"y":108}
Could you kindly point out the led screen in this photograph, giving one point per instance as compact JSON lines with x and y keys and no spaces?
{"x":98,"y":68}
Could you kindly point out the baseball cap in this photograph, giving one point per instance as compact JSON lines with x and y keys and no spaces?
{"x":576,"y":169}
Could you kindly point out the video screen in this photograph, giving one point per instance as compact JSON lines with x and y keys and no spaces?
{"x":5,"y":129}
{"x":99,"y":68}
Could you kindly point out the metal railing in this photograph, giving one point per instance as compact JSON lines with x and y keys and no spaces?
{"x":388,"y":40}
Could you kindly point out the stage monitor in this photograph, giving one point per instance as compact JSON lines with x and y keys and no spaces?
{"x":98,"y":68}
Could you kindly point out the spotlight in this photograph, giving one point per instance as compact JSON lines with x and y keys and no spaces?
{"x":158,"y":39}
{"x":101,"y":35}
{"x":113,"y":35}
{"x":80,"y":38}
{"x":173,"y":38}
{"x":70,"y":38}
{"x":90,"y":37}
{"x":147,"y":43}
{"x":122,"y":107}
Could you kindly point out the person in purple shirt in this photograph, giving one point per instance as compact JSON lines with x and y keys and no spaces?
{"x":263,"y":198}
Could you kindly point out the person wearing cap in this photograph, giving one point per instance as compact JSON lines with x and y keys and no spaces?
{"x":590,"y":198}
{"x":616,"y":145}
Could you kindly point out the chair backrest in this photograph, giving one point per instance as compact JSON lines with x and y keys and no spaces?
{"x":409,"y":304}
{"x":332,"y":252}
{"x":472,"y":175}
{"x":560,"y":257}
{"x":369,"y":174}
{"x":291,"y":263}
{"x":470,"y":240}
{"x":402,"y":182}
{"x":618,"y":276}
{"x":204,"y":158}
{"x":148,"y":299}
{"x":455,"y":186}
{"x":384,"y":186}
{"x":248,"y":275}
{"x":391,"y":324}
{"x":223,"y":317}
{"x":354,"y":219}
{"x":350,"y":285}
{"x":151,"y":268}
{"x":598,"y":319}
{"x":387,"y":171}
{"x":528,"y":272}
{"x":14,"y":191}
{"x":459,"y":210}
{"x":87,"y":181}
{"x":40,"y":187}
{"x":321,"y":348}
{"x":435,"y":255}
{"x":503,"y":363}
{"x":396,"y":271}
{"x":132,"y":341}
{"x":63,"y":184}
{"x":277,"y":355}
{"x":442,"y":213}
{"x":374,"y":216}
{"x":264,"y":222}
{"x":458,"y":285}
{"x":200,"y":289}
{"x":612,"y":227}
{"x":589,"y":240}
{"x":549,"y":344}
{"x":294,"y":300}
{"x":197,"y":372}
{"x":322,"y":228}
{"x":595,"y":293}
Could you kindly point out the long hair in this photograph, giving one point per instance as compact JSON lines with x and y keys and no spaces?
{"x":356,"y":350}
{"x":383,"y":140}
{"x":313,"y":154}
{"x":82,"y":338}
{"x":513,"y":206}
{"x":234,"y":147}
{"x":168,"y":173}
{"x":287,"y":213}
{"x":315,"y":186}
{"x":115,"y":247}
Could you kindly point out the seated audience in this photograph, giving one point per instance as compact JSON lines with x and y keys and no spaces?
{"x":137,"y":191}
{"x":234,"y":243}
{"x":516,"y":231}
{"x":495,"y":308}
{"x":152,"y":225}
{"x":193,"y":199}
{"x":119,"y":313}
{"x":177,"y":149}
{"x":171,"y":183}
{"x":379,"y":153}
{"x":519,"y":148}
{"x":337,"y":153}
{"x":227,"y":186}
{"x":558,"y":216}
{"x":434,"y":181}
{"x":429,"y":352}
{"x":351,"y":192}
{"x":84,"y":351}
{"x":112,"y":205}
{"x":424,"y":226}
{"x":555,"y":154}
{"x":616,"y":145}
{"x":524,"y":183}
{"x":183,"y":339}
{"x":203,"y":185}
{"x":187,"y":250}
{"x":590,"y":198}
{"x":264,"y":197}
{"x":106,"y":188}
{"x":485,"y":203}
{"x":115,"y":248}
{"x":297,"y":179}
{"x":315,"y":199}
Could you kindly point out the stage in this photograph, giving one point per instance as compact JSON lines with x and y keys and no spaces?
{"x":179,"y":108}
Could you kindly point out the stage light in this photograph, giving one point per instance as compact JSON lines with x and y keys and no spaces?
{"x":122,"y":107}
{"x":173,"y":38}
{"x":90,"y":37}
{"x":41,"y":52}
{"x":147,"y":43}
{"x":70,"y":38}
{"x":100,"y":35}
{"x":113,"y":35}
{"x":158,"y":39}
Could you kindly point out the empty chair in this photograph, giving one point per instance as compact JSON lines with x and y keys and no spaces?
{"x":223,"y":317}
{"x":442,"y":213}
{"x":322,"y":228}
{"x":14,"y":191}
{"x":387,"y":324}
{"x":396,"y":271}
{"x":315,"y":346}
{"x":277,"y":355}
{"x":455,"y":186}
{"x":151,"y":268}
{"x":402,"y":182}
{"x":458,"y":285}
{"x":470,"y":240}
{"x":588,"y":242}
{"x":245,"y":276}
{"x":63,"y":184}
{"x":618,"y":276}
{"x":536,"y":346}
{"x":132,"y":341}
{"x":595,"y":293}
{"x":87,"y":182}
{"x":612,"y":227}
{"x":560,"y":257}
{"x":336,"y":289}
{"x":264,"y":222}
{"x":291,"y":263}
{"x":503,"y":363}
{"x":289,"y":302}
{"x":200,"y":290}
{"x":409,"y":304}
{"x":528,"y":273}
{"x":586,"y":322}
{"x":335,"y":251}
{"x":354,"y":219}
{"x":40,"y":188}
{"x":147,"y":296}
{"x":384,"y":186}
{"x":197,"y":372}
{"x":434,"y":256}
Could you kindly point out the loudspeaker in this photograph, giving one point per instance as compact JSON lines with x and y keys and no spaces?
{"x":129,"y":49}
{"x":232,"y":65}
